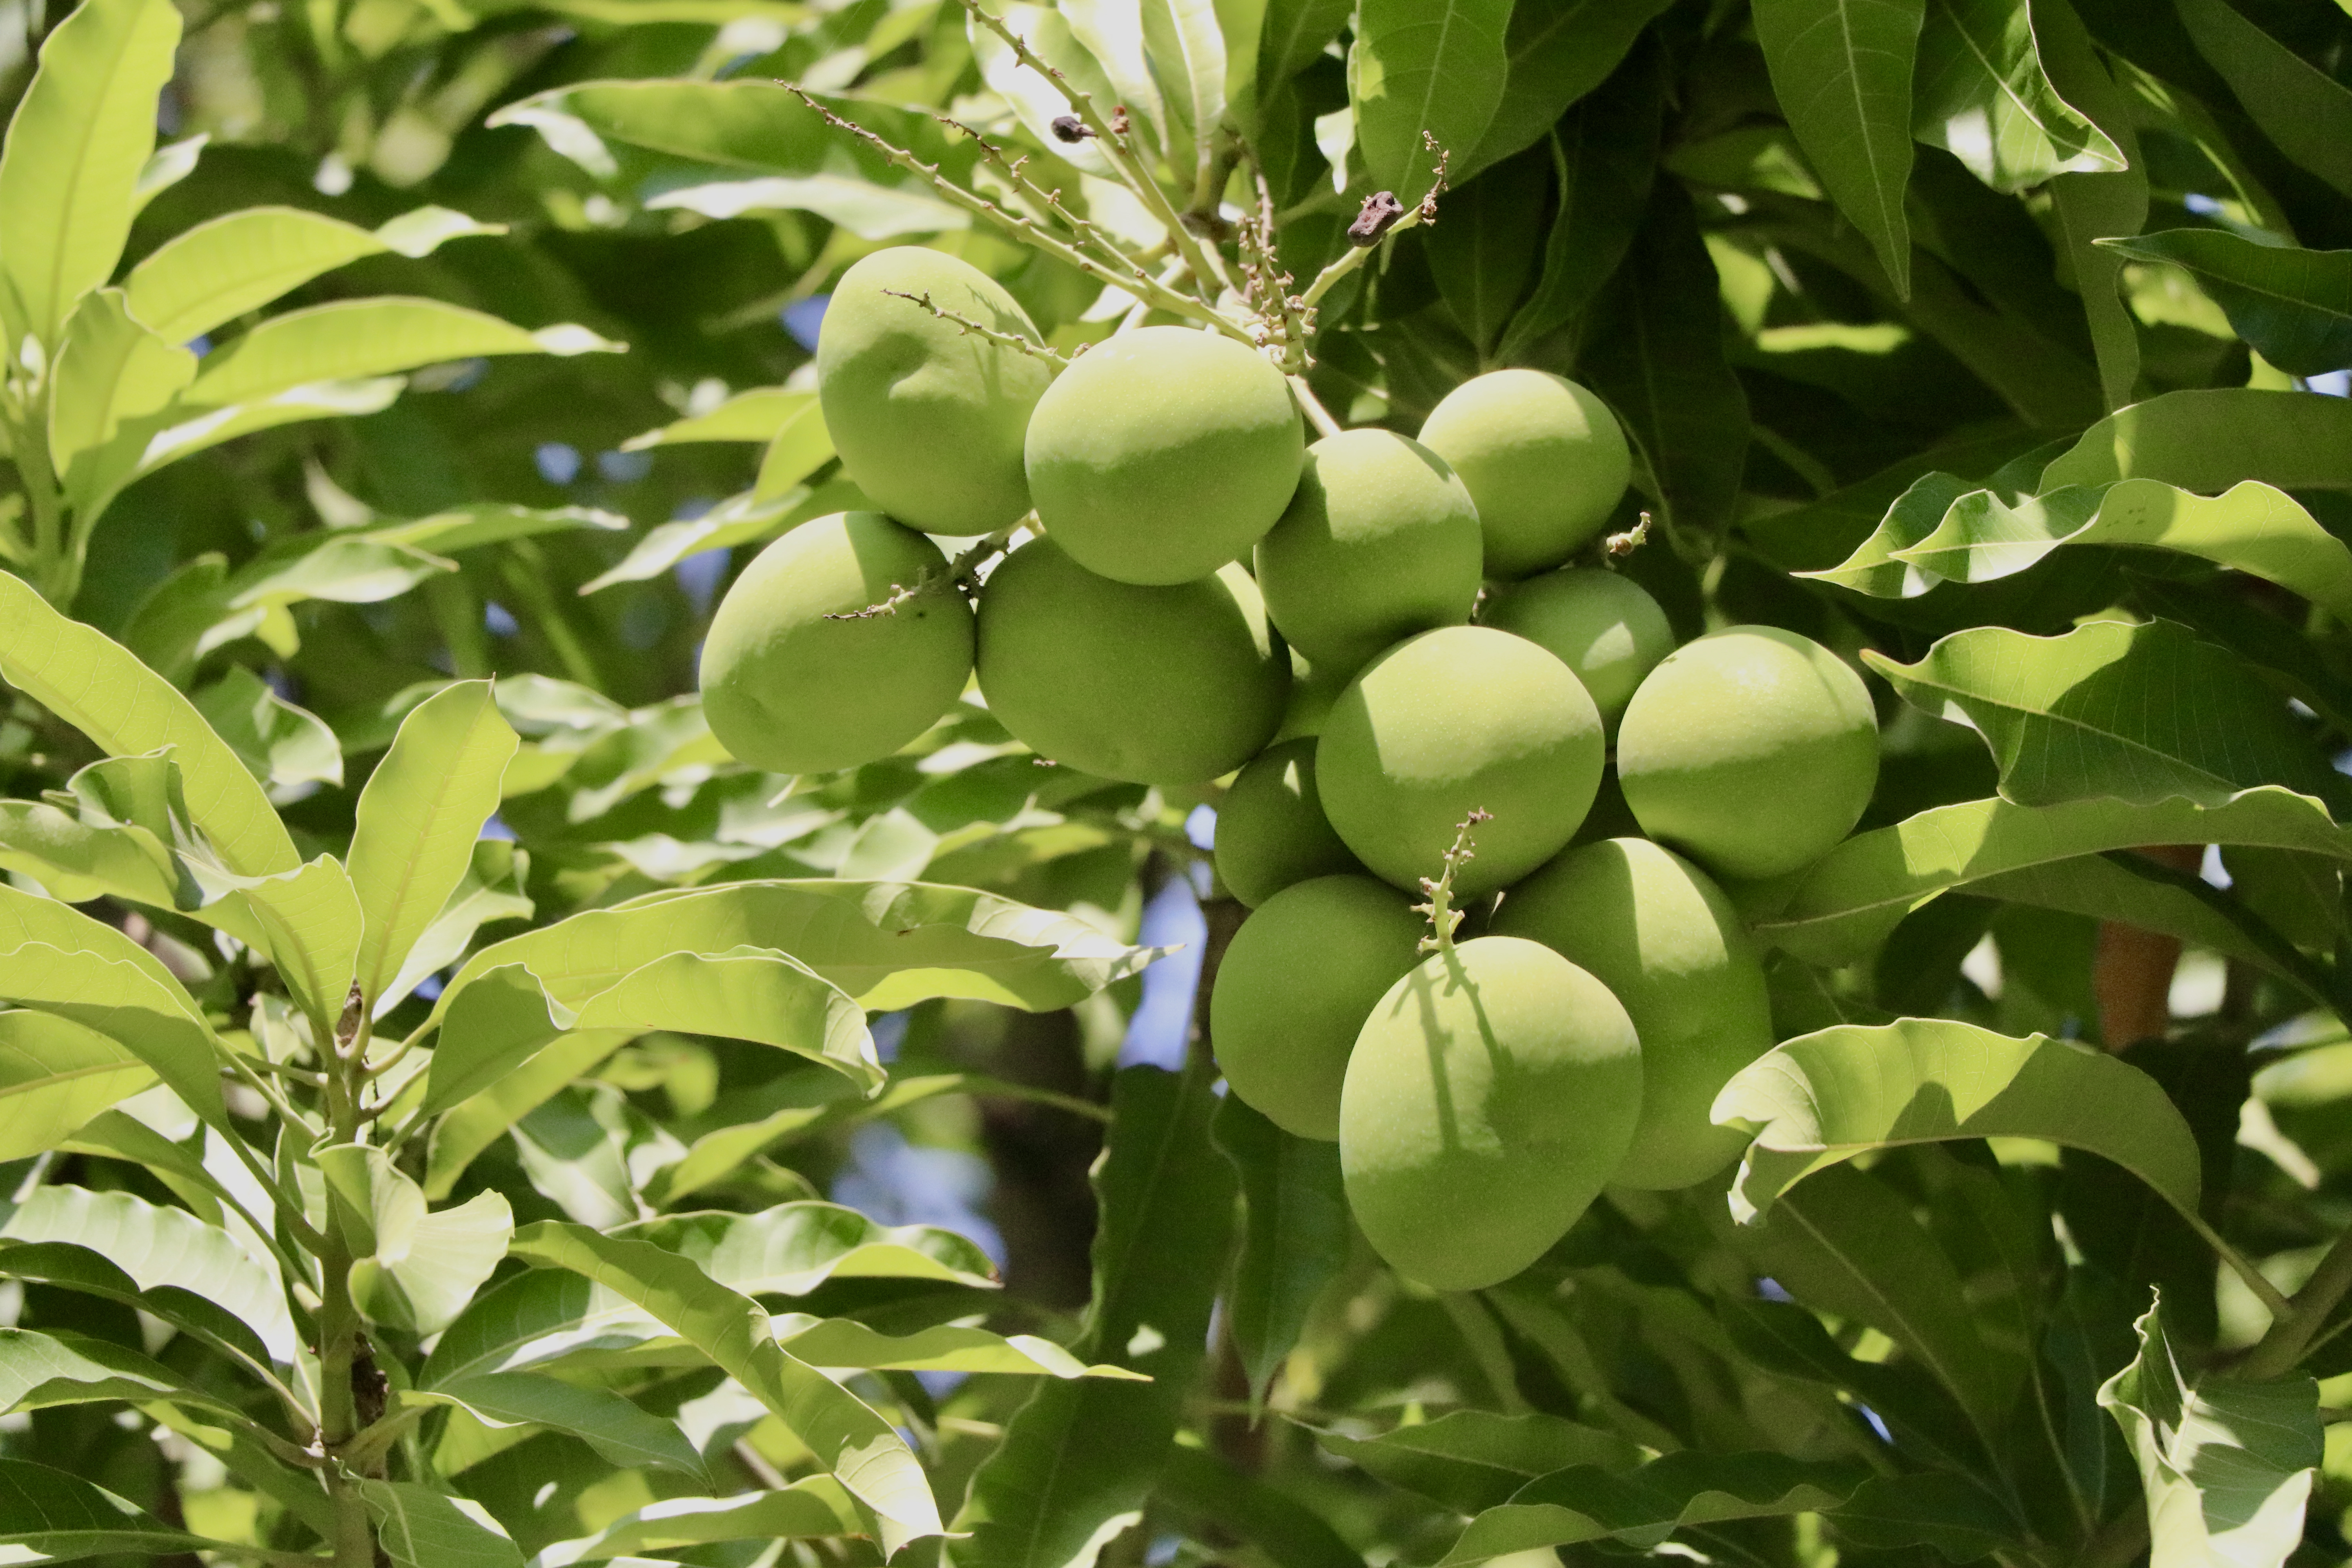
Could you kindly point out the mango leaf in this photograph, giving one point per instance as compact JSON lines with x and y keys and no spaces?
{"x":739,"y":519}
{"x":55,"y":1075}
{"x":419,"y":818}
{"x":76,"y":860}
{"x":2092,"y":206}
{"x":74,"y":154}
{"x":1557,"y":50}
{"x":1296,"y":1236}
{"x":2298,"y":106}
{"x":1471,"y":1460}
{"x":753,"y":416}
{"x":1292,"y":34}
{"x":283,"y":746}
{"x":617,"y":1429}
{"x":845,"y":1343}
{"x":1644,"y":1508}
{"x":118,"y":1135}
{"x":870,"y":1459}
{"x":787,"y":1250}
{"x":180,"y":430}
{"x":1786,"y":1339}
{"x":60,"y":960}
{"x":472,"y":526}
{"x":360,"y":338}
{"x":1826,"y":1097}
{"x":1983,"y":97}
{"x":418,"y":1527}
{"x":96,"y":685}
{"x":51,"y":1515}
{"x":472,"y":1125}
{"x":2206,"y":441}
{"x":2140,"y":712}
{"x":887,"y":944}
{"x":1844,"y":904}
{"x":800,"y":446}
{"x":812,"y":1506}
{"x":309,"y":922}
{"x":488,"y":889}
{"x":1958,"y":1518}
{"x":40,"y":1370}
{"x":1424,"y":68}
{"x":1079,"y":1460}
{"x":1847,"y":1244}
{"x":111,"y":369}
{"x":159,"y":1246}
{"x":2294,"y":306}
{"x":417,"y":1269}
{"x":1215,"y":1496}
{"x":1980,"y":538}
{"x":216,"y":272}
{"x":868,"y":211}
{"x":1842,"y":69}
{"x":2226,"y":1465}
{"x":1187,"y":49}
{"x":76,"y":1267}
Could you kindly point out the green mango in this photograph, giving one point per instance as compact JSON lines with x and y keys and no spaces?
{"x":1379,"y":542}
{"x":1168,"y":685}
{"x":1293,"y":988}
{"x":789,"y":689}
{"x":1492,"y":1092}
{"x":1752,"y":750}
{"x":1599,"y":625}
{"x":1545,"y":460}
{"x":1459,"y":719}
{"x":1661,"y":935}
{"x":1271,"y":830}
{"x":1164,"y":452}
{"x":928,"y":418}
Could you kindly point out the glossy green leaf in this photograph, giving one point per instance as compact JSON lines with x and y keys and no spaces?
{"x":2090,"y":207}
{"x":419,"y":818}
{"x":1557,"y":50}
{"x":360,"y":338}
{"x":1187,"y":47}
{"x":869,"y":1459}
{"x":812,"y":1506}
{"x":1843,"y":71}
{"x":72,"y":1266}
{"x":180,"y":431}
{"x":418,"y":1527}
{"x":281,"y":745}
{"x":1823,"y":1098}
{"x":2141,"y":712}
{"x":2208,"y":441}
{"x":75,"y":860}
{"x":96,"y":685}
{"x":1843,"y":905}
{"x":2298,"y":106}
{"x":418,"y":1269}
{"x":1220,"y":1499}
{"x":40,"y":1370}
{"x":1643,"y":1507}
{"x":1079,"y":1461}
{"x":739,"y":519}
{"x":60,"y":960}
{"x":1951,"y":1513}
{"x":490,"y":890}
{"x":800,"y":446}
{"x":119,"y":1135}
{"x":617,"y":1429}
{"x":1657,"y":357}
{"x":1982,"y":96}
{"x":1293,"y":34}
{"x":210,"y":275}
{"x":1484,"y":253}
{"x":309,"y":922}
{"x":2294,"y":306}
{"x":492,"y":522}
{"x":887,"y":944}
{"x":748,"y":124}
{"x":497,"y":1023}
{"x":844,"y":1342}
{"x":159,"y":1246}
{"x":868,"y":211}
{"x":472,"y":1125}
{"x":1471,"y":1460}
{"x":167,"y":167}
{"x":2227,"y":1465}
{"x":55,"y":1075}
{"x":1419,"y":68}
{"x":111,"y":369}
{"x":74,"y":153}
{"x":1296,"y":1238}
{"x":787,"y":1250}
{"x":753,"y":415}
{"x":46,"y":1514}
{"x":1060,"y":36}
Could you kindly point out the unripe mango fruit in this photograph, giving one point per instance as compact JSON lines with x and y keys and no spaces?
{"x":1752,"y":750}
{"x":1454,"y":719}
{"x":789,"y":690}
{"x":1544,"y":459}
{"x":1271,"y":830}
{"x":1492,"y":1092}
{"x":1661,"y":935}
{"x":1379,"y":542}
{"x":928,"y":419}
{"x":1153,"y":685}
{"x":1293,"y":988}
{"x":1599,"y":625}
{"x":1163,"y":453}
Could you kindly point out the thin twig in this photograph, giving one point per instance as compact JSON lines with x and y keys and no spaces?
{"x":962,"y":573}
{"x":1443,"y":916}
{"x":1316,"y":414}
{"x":1013,"y":340}
{"x":2291,"y":1333}
{"x":1383,"y":217}
{"x":1015,"y":174}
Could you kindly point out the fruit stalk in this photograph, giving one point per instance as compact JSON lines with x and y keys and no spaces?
{"x":1443,"y":916}
{"x":1003,"y":339}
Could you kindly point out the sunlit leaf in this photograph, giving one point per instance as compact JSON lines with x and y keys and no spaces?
{"x":55,"y":1075}
{"x":1420,"y":69}
{"x":2294,"y":306}
{"x":614,"y":1426}
{"x":418,"y":1527}
{"x":812,"y":1506}
{"x":1983,"y":97}
{"x":360,"y":338}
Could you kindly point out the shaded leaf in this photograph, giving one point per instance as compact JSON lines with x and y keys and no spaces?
{"x":2299,"y":106}
{"x":472,"y":1125}
{"x":40,"y":1370}
{"x":418,"y":1527}
{"x":360,"y":338}
{"x":2294,"y":306}
{"x":1471,"y":1460}
{"x":1785,"y":1339}
{"x":1296,"y":1238}
{"x":1983,"y":97}
{"x":281,"y":745}
{"x":1424,"y":67}
{"x":1558,"y":51}
{"x":740,"y":519}
{"x":111,"y":369}
{"x":2206,"y":441}
{"x":59,"y":1516}
{"x":76,"y":1267}
{"x":1643,"y":1507}
{"x":417,"y":1270}
{"x":1951,"y":1513}
{"x":614,"y":1426}
{"x":1220,"y":1498}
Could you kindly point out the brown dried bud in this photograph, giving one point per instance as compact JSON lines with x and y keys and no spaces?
{"x":1381,"y":210}
{"x":1069,"y":128}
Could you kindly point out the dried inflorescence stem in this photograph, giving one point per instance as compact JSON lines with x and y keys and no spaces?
{"x":1619,"y":545}
{"x":1015,"y":173}
{"x":1013,"y":340}
{"x":1285,"y":323}
{"x":961,"y":574}
{"x":1383,"y":215}
{"x":1443,"y":916}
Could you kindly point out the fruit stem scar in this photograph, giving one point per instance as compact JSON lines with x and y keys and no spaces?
{"x":1013,"y":340}
{"x":1443,"y":916}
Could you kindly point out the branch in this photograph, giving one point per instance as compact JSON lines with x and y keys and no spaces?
{"x":1316,"y":414}
{"x":1003,"y":339}
{"x":2291,"y":1332}
{"x":1087,"y":231}
{"x":1381,"y":215}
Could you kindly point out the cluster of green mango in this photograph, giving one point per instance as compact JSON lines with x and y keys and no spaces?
{"x":1201,"y":592}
